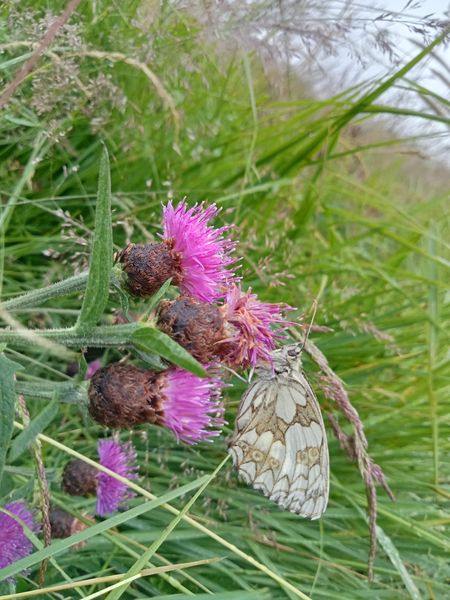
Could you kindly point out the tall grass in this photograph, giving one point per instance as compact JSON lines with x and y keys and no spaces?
{"x":320,"y":203}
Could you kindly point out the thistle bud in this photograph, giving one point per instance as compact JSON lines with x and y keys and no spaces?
{"x":241,"y":332}
{"x":82,"y":479}
{"x":148,"y":266}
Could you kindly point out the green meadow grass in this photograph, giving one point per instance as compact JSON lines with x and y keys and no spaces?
{"x":321,"y":211}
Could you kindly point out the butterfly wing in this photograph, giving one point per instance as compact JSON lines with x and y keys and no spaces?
{"x":280,"y":445}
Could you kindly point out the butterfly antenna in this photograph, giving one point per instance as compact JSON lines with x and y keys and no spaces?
{"x":314,"y":307}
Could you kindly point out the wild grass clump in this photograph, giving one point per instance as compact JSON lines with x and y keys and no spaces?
{"x":328,"y":207}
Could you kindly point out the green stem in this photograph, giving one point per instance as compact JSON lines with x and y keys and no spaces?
{"x":68,"y":392}
{"x":106,"y":336}
{"x":37,"y":297}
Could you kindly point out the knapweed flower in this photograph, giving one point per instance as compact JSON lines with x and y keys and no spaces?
{"x":241,"y":332}
{"x":123,"y":395}
{"x":81,"y":479}
{"x":194,"y":254}
{"x":14,"y":544}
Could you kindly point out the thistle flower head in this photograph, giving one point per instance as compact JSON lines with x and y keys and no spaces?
{"x":113,"y":494}
{"x":123,"y":395}
{"x":204,"y":252}
{"x":191,"y":407}
{"x":14,"y":544}
{"x":83,"y":479}
{"x":252,"y":336}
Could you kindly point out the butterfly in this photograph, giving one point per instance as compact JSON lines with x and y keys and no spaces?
{"x":279,"y":445}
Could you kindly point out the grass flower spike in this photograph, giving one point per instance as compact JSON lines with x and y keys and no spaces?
{"x":14,"y":544}
{"x":123,"y":395}
{"x":196,"y":255}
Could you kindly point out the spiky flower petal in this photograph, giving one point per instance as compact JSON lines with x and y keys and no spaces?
{"x":191,"y":408}
{"x":119,"y":457}
{"x":14,"y":544}
{"x":253,"y":335}
{"x":204,"y":252}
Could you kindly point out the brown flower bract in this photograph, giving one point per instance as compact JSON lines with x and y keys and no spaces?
{"x":122,"y":395}
{"x":148,"y":266}
{"x":196,"y":326}
{"x":63,"y":524}
{"x":79,"y":478}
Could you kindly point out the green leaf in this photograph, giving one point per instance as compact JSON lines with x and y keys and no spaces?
{"x":7,"y":405}
{"x":97,"y":289}
{"x":155,"y":299}
{"x":37,"y":425}
{"x":155,"y":341}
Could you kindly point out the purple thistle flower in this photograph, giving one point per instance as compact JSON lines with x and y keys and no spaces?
{"x":122,"y":395}
{"x":204,"y":253}
{"x":253,"y":338}
{"x":191,"y":407}
{"x":14,"y":544}
{"x":120,"y":457}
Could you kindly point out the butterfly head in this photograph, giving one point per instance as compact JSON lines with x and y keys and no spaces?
{"x":287,"y":357}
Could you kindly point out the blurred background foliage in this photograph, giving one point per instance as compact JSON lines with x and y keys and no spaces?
{"x":192,"y":102}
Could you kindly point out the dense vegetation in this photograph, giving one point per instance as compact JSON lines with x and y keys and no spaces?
{"x":327,"y":205}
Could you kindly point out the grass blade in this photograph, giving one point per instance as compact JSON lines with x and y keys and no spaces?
{"x":115,"y":521}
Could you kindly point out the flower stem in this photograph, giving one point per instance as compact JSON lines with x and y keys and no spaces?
{"x":35,"y":298}
{"x":67,"y":391}
{"x":105,"y":336}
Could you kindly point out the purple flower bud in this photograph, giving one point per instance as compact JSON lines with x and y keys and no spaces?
{"x":63,"y":525}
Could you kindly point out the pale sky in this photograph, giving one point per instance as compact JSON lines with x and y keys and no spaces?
{"x":348,"y":71}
